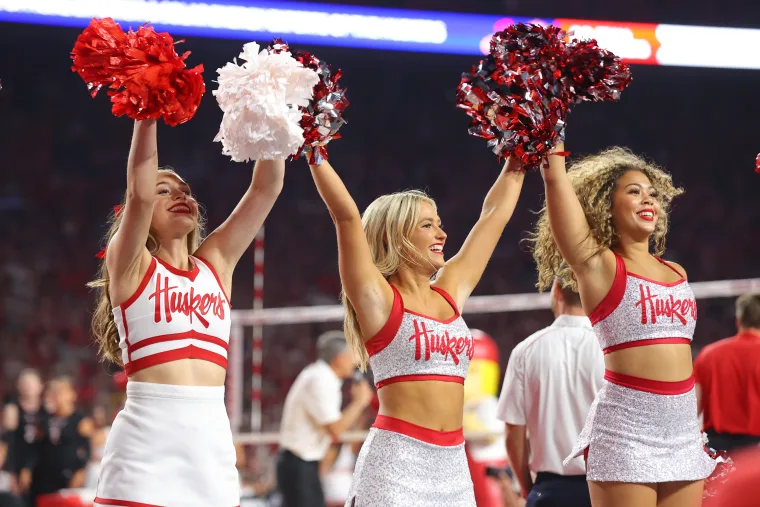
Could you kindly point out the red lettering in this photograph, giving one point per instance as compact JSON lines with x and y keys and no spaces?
{"x":189,"y":303}
{"x":445,"y":345}
{"x":652,"y":306}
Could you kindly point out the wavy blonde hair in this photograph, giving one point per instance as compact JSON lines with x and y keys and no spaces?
{"x":104,"y":330}
{"x":388,"y":222}
{"x":594,"y":179}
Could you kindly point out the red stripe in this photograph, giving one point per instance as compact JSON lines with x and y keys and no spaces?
{"x":648,"y":385}
{"x":645,"y":342}
{"x":431,"y":436}
{"x":191,"y":274}
{"x":419,"y":378}
{"x":122,"y":503}
{"x":189,"y":352}
{"x":140,"y":288}
{"x":179,"y":336}
{"x":126,"y":333}
{"x":385,"y":336}
{"x":614,"y":296}
{"x":216,"y":275}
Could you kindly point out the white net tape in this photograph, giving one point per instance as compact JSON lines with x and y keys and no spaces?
{"x":476,"y":304}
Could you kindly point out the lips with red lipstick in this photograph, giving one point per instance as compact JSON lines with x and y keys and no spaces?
{"x":646,"y":214}
{"x":181,"y":208}
{"x":436,"y":248}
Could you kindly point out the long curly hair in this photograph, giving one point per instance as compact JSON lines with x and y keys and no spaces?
{"x":103,"y":327}
{"x":594,"y":179}
{"x":388,"y":222}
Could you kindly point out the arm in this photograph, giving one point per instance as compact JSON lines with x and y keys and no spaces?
{"x":127,"y":247}
{"x":85,"y":429}
{"x":463,"y":271}
{"x":364,"y":285}
{"x":567,"y":220}
{"x":224,"y":247}
{"x":361,"y":397}
{"x":518,"y":450}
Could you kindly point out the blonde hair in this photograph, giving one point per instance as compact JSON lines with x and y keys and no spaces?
{"x":388,"y":222}
{"x":104,"y":330}
{"x":594,"y":180}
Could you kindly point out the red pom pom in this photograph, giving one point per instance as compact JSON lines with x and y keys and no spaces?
{"x":757,"y":164}
{"x":323,"y":117}
{"x":518,"y":96}
{"x":148,"y":80}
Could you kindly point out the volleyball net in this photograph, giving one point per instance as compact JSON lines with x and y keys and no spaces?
{"x":301,"y":325}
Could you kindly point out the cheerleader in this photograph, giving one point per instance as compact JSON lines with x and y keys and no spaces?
{"x":608,"y":218}
{"x":411,"y":333}
{"x":163,"y":312}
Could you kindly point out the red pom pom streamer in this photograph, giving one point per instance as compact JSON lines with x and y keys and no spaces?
{"x":720,"y":475}
{"x":145,"y":76}
{"x":323,"y":117}
{"x":518,"y":97}
{"x":757,"y":164}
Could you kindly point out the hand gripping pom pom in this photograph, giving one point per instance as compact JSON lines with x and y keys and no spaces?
{"x":518,"y":97}
{"x":145,"y":76}
{"x":323,"y":116}
{"x":260,"y":100}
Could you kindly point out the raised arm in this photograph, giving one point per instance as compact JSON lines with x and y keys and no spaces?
{"x":463,"y":271}
{"x":363,"y":283}
{"x":568,"y":221}
{"x":224,"y":247}
{"x":127,"y":247}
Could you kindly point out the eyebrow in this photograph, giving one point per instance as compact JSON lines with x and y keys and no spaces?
{"x":181,"y":184}
{"x":638,"y":185}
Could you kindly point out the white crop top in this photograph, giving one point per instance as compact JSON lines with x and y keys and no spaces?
{"x":174,"y":315}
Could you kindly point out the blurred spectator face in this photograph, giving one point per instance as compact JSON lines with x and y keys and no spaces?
{"x":344,"y":364}
{"x":175,"y":211}
{"x":635,"y":207}
{"x":428,"y":238}
{"x":64,"y":393}
{"x":29,"y":385}
{"x":99,"y":416}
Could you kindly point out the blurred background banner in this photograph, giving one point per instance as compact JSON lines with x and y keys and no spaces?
{"x":394,"y":29}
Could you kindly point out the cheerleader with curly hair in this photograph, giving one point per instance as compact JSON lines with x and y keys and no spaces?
{"x":604,"y":223}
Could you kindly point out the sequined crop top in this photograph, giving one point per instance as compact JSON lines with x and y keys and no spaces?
{"x":638,"y":311}
{"x":414,"y":347}
{"x":174,"y":315}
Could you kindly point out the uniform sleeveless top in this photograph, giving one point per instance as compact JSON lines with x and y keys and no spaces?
{"x":174,"y":315}
{"x":413,"y":347}
{"x":638,"y":311}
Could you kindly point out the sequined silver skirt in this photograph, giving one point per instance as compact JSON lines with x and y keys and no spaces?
{"x":642,"y":437}
{"x":397,"y":470}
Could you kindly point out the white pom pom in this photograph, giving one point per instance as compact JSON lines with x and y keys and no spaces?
{"x":260,"y":100}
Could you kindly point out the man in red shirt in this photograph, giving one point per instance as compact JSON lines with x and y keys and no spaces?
{"x":728,"y":381}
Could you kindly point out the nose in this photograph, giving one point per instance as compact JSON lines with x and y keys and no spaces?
{"x":179,"y":195}
{"x":440,"y":234}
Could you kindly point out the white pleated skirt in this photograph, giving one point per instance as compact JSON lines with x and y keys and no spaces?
{"x":170,"y":446}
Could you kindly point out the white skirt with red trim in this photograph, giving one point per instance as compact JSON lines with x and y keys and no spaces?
{"x":400,"y":466}
{"x":636,"y":436}
{"x":170,"y":446}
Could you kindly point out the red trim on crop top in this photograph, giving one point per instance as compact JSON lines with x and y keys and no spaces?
{"x":216,"y":275}
{"x":189,"y":352}
{"x":644,"y":342}
{"x":614,"y":296}
{"x":429,"y":435}
{"x":419,"y":378}
{"x":385,"y":336}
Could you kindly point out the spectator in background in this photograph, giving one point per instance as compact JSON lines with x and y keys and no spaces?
{"x":551,"y":381}
{"x":7,"y":497}
{"x":64,"y":450}
{"x":311,"y":420}
{"x":23,"y":421}
{"x":727,"y":373}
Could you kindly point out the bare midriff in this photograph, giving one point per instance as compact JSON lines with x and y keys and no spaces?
{"x":183,"y":372}
{"x":431,"y":403}
{"x":668,"y":362}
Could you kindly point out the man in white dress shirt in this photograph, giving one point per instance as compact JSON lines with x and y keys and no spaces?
{"x":312,"y":419}
{"x":551,"y":380}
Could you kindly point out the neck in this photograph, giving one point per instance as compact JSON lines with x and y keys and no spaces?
{"x":575,"y":311}
{"x":29,"y":403}
{"x":750,"y":330}
{"x":412,"y":282}
{"x":175,"y":253}
{"x":64,"y":411}
{"x":631,"y":248}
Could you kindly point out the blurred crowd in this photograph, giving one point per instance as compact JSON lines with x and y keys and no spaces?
{"x":63,"y":157}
